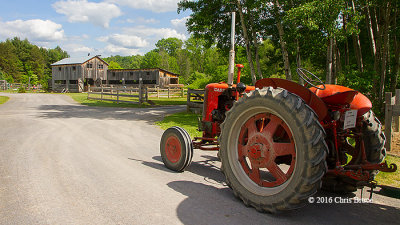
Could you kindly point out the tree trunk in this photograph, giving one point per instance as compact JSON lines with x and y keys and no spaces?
{"x":357,"y":46}
{"x":285,"y":53}
{"x":298,"y":59}
{"x":396,"y":63}
{"x":329,"y":63}
{"x":385,"y":46}
{"x":255,"y":43}
{"x":246,"y":38}
{"x":370,"y":31}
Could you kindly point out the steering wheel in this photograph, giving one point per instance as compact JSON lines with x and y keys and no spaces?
{"x":302,"y":74}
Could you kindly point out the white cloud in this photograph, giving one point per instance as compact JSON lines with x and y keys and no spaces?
{"x":141,"y":20}
{"x":99,"y":14}
{"x":34,"y":30}
{"x":113,"y":49}
{"x":180,"y":24}
{"x":78,"y":48}
{"x":125,"y":41}
{"x":152,"y":5}
{"x":156,"y":33}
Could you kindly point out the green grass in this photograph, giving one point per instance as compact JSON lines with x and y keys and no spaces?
{"x":390,"y":179}
{"x":82,"y":99}
{"x":188,"y":121}
{"x":3,"y":99}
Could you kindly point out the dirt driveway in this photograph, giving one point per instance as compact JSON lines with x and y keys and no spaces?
{"x":63,"y":163}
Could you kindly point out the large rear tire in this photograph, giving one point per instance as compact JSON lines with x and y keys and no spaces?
{"x":272,"y":150}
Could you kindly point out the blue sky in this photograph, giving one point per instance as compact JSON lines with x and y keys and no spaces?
{"x":107,"y":27}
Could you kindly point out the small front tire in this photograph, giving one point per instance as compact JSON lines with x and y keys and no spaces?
{"x":176,"y":149}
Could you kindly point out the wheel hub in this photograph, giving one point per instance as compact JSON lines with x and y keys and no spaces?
{"x":262,"y":140}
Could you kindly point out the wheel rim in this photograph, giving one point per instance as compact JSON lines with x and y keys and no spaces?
{"x":173,"y":149}
{"x":266,"y":150}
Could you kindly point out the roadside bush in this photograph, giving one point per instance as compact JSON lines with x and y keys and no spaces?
{"x":21,"y":90}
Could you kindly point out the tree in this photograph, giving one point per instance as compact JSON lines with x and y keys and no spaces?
{"x":169,"y":45}
{"x":114,"y":65}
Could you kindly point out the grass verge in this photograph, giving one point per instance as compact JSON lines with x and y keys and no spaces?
{"x":390,"y":179}
{"x":82,"y":99}
{"x":3,"y":99}
{"x":188,"y":121}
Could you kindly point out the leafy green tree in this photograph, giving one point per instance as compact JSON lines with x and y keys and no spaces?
{"x":151,"y":59}
{"x":114,"y":65}
{"x":169,"y":45}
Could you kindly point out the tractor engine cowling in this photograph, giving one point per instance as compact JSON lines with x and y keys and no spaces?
{"x":217,"y":100}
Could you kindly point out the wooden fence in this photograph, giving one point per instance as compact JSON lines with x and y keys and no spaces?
{"x":119,"y":95}
{"x":166,"y":92}
{"x":392,"y":112}
{"x":195,"y":98}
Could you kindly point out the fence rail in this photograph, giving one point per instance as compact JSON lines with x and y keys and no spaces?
{"x":166,"y":92}
{"x":123,"y":95}
{"x":195,"y":98}
{"x":392,"y":112}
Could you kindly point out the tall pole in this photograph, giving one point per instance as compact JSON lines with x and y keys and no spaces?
{"x":232,"y":53}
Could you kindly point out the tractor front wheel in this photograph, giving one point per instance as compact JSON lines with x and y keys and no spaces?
{"x":272,"y":150}
{"x":176,"y":149}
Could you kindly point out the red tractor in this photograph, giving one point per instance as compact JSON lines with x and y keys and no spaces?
{"x":280,"y":142}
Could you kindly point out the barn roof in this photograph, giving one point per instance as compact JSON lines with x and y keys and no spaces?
{"x":80,"y":60}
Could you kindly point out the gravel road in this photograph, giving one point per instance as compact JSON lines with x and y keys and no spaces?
{"x":64,"y":163}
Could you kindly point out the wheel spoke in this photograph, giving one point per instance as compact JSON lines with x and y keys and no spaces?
{"x":276,"y":172}
{"x":251,"y":127}
{"x":281,"y":149}
{"x":255,"y":175}
{"x":271,"y":127}
{"x":242,"y":150}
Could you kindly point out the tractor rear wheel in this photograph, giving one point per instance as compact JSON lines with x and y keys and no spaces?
{"x":272,"y":150}
{"x":176,"y":149}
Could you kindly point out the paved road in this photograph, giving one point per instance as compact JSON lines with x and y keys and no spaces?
{"x":63,"y":163}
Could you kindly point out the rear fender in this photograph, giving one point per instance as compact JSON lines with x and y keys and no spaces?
{"x":308,"y":96}
{"x":359,"y":102}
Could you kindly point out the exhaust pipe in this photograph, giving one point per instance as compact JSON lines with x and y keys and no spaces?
{"x":232,"y":53}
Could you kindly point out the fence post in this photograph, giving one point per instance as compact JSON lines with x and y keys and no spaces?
{"x":188,"y":100}
{"x":117,"y":96}
{"x":140,"y":91}
{"x":388,"y":120}
{"x":183,"y":92}
{"x":168,"y":92}
{"x":147,"y":94}
{"x":158,"y":92}
{"x":397,"y":119}
{"x":102,"y":93}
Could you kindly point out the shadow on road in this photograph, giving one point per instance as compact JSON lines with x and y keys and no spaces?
{"x":219,"y":211}
{"x":213,"y":204}
{"x":78,"y":111}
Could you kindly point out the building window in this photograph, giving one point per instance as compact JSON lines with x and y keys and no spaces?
{"x":89,"y":65}
{"x":113,"y":73}
{"x":131,"y":73}
{"x":148,"y":73}
{"x":74,"y":68}
{"x":100,"y":66}
{"x":59,"y":68}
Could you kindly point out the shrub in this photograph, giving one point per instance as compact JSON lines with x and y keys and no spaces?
{"x":21,"y":90}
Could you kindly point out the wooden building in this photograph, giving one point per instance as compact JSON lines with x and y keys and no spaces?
{"x":75,"y":74}
{"x":151,"y":77}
